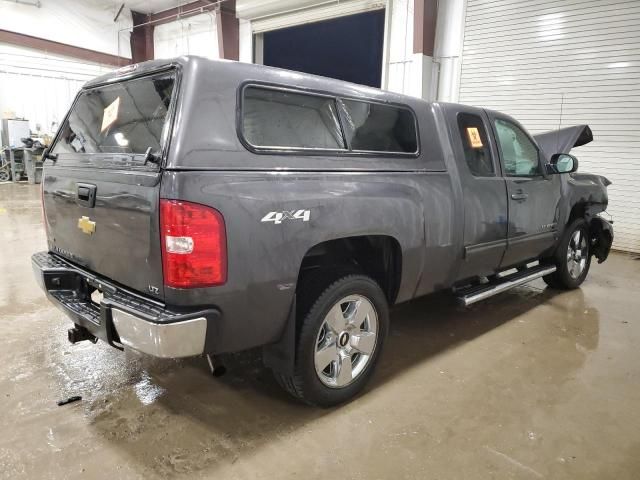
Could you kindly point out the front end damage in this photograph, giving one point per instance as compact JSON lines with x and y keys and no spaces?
{"x":589,"y":196}
{"x":587,"y":193}
{"x":601,"y":237}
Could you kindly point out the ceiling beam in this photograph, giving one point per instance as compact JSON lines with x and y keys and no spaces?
{"x":57,"y":48}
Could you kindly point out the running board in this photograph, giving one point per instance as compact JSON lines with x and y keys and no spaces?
{"x":469,"y":295}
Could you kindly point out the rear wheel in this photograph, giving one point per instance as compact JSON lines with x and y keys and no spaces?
{"x":572,"y":258}
{"x":340,"y":341}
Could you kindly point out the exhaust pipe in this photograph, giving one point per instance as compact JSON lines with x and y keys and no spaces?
{"x":78,"y":334}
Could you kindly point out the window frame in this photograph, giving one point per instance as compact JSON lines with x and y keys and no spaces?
{"x":313,"y":151}
{"x":511,"y":121}
{"x":497,"y":166}
{"x":342,"y":111}
{"x":168,"y":129}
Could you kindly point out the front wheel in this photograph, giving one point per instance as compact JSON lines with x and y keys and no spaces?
{"x":340,"y":341}
{"x":572,"y":258}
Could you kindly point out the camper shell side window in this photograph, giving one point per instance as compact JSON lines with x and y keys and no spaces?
{"x":284,"y":120}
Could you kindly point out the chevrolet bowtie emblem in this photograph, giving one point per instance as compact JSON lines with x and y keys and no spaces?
{"x":86,"y":225}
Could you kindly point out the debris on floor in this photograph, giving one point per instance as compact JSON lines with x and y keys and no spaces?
{"x":75,"y":398}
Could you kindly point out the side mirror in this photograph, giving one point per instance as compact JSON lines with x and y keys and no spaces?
{"x":562,"y":163}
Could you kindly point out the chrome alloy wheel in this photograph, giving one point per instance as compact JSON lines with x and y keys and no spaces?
{"x":346,"y":341}
{"x":577,"y":253}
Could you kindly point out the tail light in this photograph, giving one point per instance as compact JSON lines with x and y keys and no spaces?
{"x":194,"y":245}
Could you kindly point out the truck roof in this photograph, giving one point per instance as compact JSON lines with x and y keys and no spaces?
{"x":229,"y":70}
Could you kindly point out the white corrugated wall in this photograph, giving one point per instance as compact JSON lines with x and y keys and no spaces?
{"x":535,"y":58}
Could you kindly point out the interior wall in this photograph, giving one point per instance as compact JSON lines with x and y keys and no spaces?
{"x":246,"y":41}
{"x":41,"y":87}
{"x":404,"y":70}
{"x":196,"y":35}
{"x":85,"y":24}
{"x":448,"y":48}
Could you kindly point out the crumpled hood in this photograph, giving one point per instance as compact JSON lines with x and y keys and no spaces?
{"x":563,"y":140}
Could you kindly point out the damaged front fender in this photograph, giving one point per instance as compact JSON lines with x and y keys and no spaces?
{"x":601,"y":238}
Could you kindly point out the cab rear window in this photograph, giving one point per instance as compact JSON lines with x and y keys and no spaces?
{"x":121,"y":118}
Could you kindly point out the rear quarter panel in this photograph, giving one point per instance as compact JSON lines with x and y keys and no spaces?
{"x":264,"y":258}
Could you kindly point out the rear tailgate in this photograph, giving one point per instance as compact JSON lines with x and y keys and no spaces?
{"x":118,"y":237}
{"x":100,"y":197}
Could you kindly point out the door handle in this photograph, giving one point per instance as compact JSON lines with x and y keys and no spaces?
{"x":83,"y":193}
{"x":519,"y":196}
{"x":86,"y":195}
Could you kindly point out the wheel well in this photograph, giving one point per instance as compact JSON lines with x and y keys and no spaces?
{"x":579,"y":210}
{"x":377,"y":256}
{"x":601,"y":238}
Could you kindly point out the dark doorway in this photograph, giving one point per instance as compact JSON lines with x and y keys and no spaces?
{"x":348,"y":48}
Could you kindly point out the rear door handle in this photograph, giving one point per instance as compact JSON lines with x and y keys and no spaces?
{"x":519,"y":196}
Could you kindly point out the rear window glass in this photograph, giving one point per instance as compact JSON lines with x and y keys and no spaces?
{"x":126,"y":117}
{"x":274,"y":118}
{"x":380,"y":128}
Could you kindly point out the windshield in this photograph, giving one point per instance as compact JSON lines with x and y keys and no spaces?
{"x":127,"y":117}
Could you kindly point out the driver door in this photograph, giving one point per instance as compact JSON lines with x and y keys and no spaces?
{"x":533,"y":196}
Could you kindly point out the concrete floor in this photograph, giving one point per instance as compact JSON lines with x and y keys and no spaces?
{"x":530,"y":384}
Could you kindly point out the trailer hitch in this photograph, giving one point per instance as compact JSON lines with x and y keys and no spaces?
{"x":79,"y":334}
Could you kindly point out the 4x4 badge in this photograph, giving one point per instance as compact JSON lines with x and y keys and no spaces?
{"x":278,"y":217}
{"x":86,"y":225}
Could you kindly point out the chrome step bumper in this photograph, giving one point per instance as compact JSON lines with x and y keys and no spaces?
{"x":122,"y":318}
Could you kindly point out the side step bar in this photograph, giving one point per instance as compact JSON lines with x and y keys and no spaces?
{"x":470,"y":295}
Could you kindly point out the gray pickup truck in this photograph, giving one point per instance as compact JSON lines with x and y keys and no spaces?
{"x":197,"y":207}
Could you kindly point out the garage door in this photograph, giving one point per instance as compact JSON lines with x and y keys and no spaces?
{"x":565,"y":62}
{"x":347,"y":48}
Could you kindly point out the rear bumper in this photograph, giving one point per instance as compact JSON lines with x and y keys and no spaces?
{"x":123,"y":318}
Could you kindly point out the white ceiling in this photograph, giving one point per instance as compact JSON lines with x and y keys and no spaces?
{"x":143,"y":6}
{"x":152,"y":6}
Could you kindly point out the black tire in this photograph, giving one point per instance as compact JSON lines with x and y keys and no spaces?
{"x":563,"y":278}
{"x":305,"y":384}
